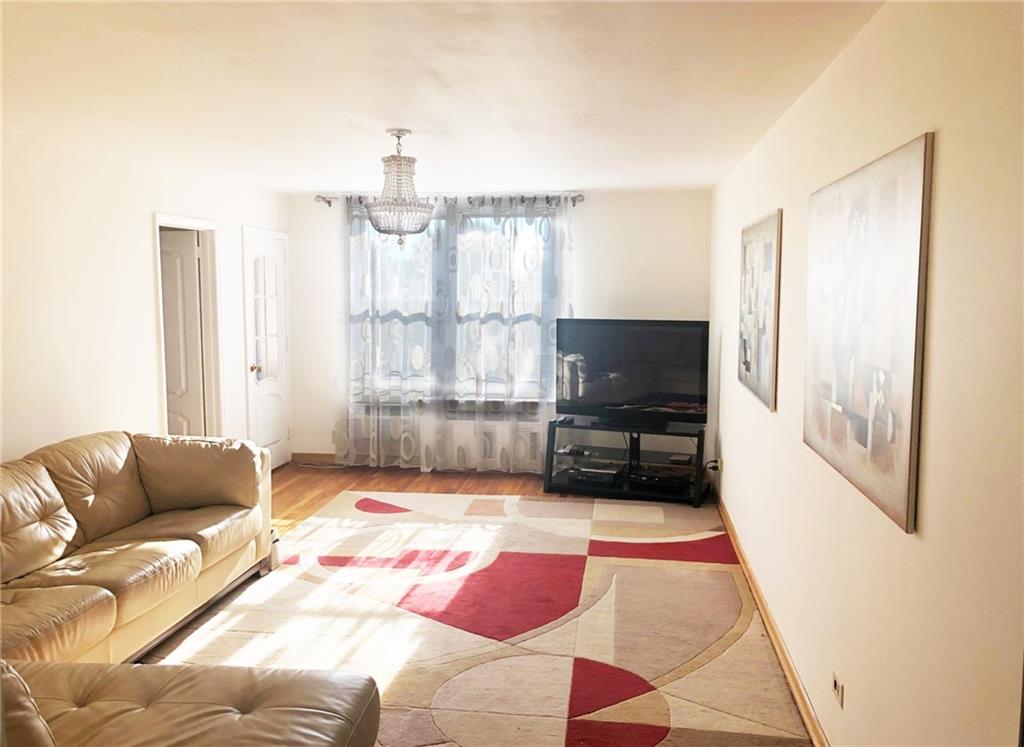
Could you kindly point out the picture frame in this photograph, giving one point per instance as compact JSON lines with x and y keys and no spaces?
{"x":867,"y":253}
{"x":760,"y":281}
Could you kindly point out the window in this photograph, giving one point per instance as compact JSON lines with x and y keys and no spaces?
{"x":464,"y":311}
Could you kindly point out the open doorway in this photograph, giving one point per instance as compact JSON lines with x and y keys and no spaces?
{"x":188,"y":325}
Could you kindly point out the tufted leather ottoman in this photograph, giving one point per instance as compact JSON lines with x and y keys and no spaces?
{"x":131,"y":705}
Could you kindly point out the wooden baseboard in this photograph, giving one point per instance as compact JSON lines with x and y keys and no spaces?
{"x":803,"y":703}
{"x":312,"y":458}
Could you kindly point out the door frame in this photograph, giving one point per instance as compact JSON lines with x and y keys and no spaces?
{"x":248,"y":233}
{"x":208,"y":310}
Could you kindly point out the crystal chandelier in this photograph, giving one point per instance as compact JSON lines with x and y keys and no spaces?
{"x":398,"y":210}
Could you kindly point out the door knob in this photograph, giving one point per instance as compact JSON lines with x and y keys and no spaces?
{"x":255,"y":368}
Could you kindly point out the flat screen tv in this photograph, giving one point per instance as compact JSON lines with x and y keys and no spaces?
{"x":633,"y":371}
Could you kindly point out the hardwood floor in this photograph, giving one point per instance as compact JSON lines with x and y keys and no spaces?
{"x":300,"y":492}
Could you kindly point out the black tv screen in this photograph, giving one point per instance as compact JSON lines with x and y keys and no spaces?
{"x":623,"y":370}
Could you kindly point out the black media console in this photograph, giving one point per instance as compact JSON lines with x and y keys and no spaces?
{"x":626,"y":471}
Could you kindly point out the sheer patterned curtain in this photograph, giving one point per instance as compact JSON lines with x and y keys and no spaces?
{"x":452,"y":336}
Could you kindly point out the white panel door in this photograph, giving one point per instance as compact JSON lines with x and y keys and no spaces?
{"x":183,"y":339}
{"x":266,"y":327}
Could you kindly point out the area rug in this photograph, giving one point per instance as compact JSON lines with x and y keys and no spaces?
{"x":516,"y":620}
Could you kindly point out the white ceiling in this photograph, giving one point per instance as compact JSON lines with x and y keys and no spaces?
{"x":500,"y":96}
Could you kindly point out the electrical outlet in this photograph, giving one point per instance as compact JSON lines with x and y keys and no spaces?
{"x":838,"y":689}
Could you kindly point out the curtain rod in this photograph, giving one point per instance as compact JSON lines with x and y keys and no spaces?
{"x":472,"y":200}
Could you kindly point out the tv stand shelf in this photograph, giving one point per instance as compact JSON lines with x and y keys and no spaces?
{"x":642,"y":473}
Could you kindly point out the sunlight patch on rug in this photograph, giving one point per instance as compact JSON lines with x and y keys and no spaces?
{"x":515,"y":620}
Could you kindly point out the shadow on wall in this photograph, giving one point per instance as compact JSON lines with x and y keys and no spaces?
{"x":714,"y":389}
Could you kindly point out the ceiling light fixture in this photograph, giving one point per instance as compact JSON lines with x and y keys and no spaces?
{"x":398,"y":211}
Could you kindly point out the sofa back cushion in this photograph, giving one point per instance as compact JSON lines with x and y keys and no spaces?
{"x":23,"y":724}
{"x":98,"y":477}
{"x":35,"y":525}
{"x":190,"y":472}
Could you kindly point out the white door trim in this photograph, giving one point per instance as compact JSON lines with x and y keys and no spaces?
{"x":210,"y":317}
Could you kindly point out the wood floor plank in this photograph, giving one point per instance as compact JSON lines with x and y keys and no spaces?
{"x":299,"y":492}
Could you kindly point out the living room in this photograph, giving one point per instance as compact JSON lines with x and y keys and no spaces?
{"x":671,"y":395}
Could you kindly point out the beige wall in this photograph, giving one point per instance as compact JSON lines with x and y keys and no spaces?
{"x":80,"y":302}
{"x":318,"y":251}
{"x":642,"y":254}
{"x":924,"y":629}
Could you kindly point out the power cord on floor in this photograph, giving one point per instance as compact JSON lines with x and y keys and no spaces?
{"x":709,"y":487}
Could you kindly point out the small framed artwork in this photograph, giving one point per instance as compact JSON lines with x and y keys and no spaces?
{"x":867,"y":250}
{"x":760,"y":254}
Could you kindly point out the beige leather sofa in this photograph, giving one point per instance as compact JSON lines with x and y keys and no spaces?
{"x":109,"y":541}
{"x":134,"y":705}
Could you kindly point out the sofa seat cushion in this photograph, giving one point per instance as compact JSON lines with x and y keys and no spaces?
{"x":133,"y":705}
{"x":54,"y":624}
{"x":218,"y":530}
{"x":139,"y":574}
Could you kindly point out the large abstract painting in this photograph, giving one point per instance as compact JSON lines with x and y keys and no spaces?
{"x":867,"y":251}
{"x":759,"y":306}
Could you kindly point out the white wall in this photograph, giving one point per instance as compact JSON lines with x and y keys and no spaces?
{"x":642,"y":255}
{"x":924,"y":629}
{"x":319,"y":311}
{"x":80,"y":299}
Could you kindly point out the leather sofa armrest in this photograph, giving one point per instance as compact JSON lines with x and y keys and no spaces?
{"x":191,"y":472}
{"x":23,"y":724}
{"x":179,"y":472}
{"x":265,"y":499}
